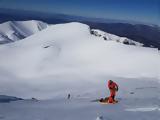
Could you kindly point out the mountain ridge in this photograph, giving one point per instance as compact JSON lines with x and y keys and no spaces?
{"x":12,"y":31}
{"x":148,"y":34}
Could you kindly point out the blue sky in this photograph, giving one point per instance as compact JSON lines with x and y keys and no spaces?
{"x":135,"y":10}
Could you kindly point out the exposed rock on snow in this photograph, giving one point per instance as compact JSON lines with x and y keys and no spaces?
{"x":100,"y":118}
{"x":4,"y":98}
{"x":108,"y":36}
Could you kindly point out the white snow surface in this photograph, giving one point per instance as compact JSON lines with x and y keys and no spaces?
{"x":137,"y":106}
{"x":70,"y":48}
{"x":66,"y":58}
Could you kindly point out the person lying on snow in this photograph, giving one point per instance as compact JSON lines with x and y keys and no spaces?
{"x":113,"y":88}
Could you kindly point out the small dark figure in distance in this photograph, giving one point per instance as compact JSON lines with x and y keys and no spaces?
{"x":69,"y":96}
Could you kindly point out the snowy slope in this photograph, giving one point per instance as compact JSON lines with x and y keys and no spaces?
{"x":72,"y":46}
{"x":67,"y":58}
{"x":142,"y":105}
{"x":70,"y":50}
{"x":16,"y":30}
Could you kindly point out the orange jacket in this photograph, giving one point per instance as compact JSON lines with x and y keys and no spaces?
{"x":112,"y":85}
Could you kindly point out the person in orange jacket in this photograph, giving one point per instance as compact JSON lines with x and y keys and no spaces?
{"x":113,"y":88}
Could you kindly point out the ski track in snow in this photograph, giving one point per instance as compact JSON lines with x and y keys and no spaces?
{"x":143,"y":109}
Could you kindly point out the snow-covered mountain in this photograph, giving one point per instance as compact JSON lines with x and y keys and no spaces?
{"x":16,"y":30}
{"x":73,"y":59}
{"x":73,"y":44}
{"x":66,"y":50}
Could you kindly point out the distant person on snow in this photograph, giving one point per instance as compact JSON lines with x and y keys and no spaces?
{"x":113,"y":88}
{"x":69,"y":96}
